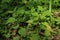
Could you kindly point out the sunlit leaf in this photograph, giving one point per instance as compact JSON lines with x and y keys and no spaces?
{"x":22,"y":32}
{"x":34,"y":37}
{"x":11,"y":20}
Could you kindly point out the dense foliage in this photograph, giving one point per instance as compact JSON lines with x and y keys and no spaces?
{"x":29,"y":19}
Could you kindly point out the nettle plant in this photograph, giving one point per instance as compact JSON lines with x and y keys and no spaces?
{"x":29,"y":19}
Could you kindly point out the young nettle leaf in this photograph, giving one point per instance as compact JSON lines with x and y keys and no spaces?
{"x":32,"y":10}
{"x":40,"y":8}
{"x":34,"y":36}
{"x":11,"y":20}
{"x":7,"y":35}
{"x":22,"y":32}
{"x":42,"y":27}
{"x":30,"y":21}
{"x":14,"y":15}
{"x":20,"y":10}
{"x":34,"y":14}
{"x":47,"y":33}
{"x":15,"y":27}
{"x":24,"y":1}
{"x":47,"y":29}
{"x":42,"y":17}
{"x":46,"y":13}
{"x":35,"y":19}
{"x":47,"y":26}
{"x":58,"y":20}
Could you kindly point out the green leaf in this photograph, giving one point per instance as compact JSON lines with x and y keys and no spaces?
{"x":34,"y":37}
{"x":46,"y":13}
{"x":20,"y":10}
{"x":32,"y":10}
{"x":48,"y":27}
{"x":30,"y":21}
{"x":47,"y":33}
{"x":34,"y":14}
{"x":58,"y":20}
{"x":15,"y":27}
{"x":35,"y":19}
{"x":7,"y":35}
{"x":11,"y":20}
{"x":22,"y":32}
{"x":40,"y":8}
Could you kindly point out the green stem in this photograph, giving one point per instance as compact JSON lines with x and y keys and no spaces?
{"x":50,"y":6}
{"x":50,"y":9}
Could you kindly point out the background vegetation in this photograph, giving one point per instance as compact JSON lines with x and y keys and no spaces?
{"x":29,"y":19}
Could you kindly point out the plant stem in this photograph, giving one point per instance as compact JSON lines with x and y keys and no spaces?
{"x":50,"y":8}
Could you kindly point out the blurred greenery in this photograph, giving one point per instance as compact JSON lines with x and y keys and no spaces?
{"x":29,"y":19}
